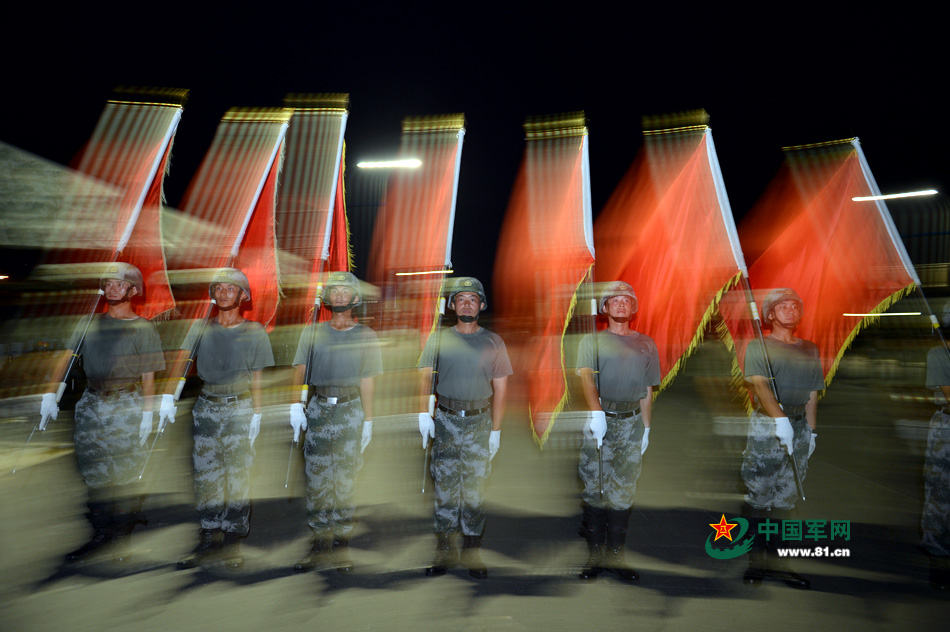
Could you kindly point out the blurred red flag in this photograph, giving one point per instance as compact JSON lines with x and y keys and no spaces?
{"x":229,"y":212}
{"x":412,"y":240}
{"x":668,"y":231}
{"x":545,"y":253}
{"x":129,"y":149}
{"x":841,"y":256}
{"x":311,"y":214}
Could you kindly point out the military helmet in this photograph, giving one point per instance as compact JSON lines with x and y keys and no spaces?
{"x":232,"y":276}
{"x":617,"y":288}
{"x":343,"y":279}
{"x":124,"y":272}
{"x":776,"y":296}
{"x":466,"y":284}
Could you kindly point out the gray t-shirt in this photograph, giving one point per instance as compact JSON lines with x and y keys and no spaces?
{"x":938,"y":372}
{"x":229,"y":355}
{"x":467,"y":362}
{"x":796,"y":367}
{"x":340,"y":358}
{"x":121,"y":350}
{"x":627,"y":364}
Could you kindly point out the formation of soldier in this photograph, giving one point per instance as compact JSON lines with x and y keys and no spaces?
{"x":464,"y":371}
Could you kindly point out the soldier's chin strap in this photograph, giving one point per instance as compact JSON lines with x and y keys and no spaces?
{"x":343,"y":308}
{"x":468,"y":319}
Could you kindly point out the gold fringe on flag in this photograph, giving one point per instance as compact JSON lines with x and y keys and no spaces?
{"x":699,"y":334}
{"x":564,"y":398}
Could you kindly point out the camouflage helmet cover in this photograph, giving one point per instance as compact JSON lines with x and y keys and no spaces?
{"x":466,"y":284}
{"x":232,"y":276}
{"x":776,"y":296}
{"x":342,"y":279}
{"x":617,"y":288}
{"x":124,"y":272}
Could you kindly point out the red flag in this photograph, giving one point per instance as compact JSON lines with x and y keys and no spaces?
{"x":229,"y":206}
{"x":843,"y":257}
{"x":412,"y":241}
{"x":544,"y":254}
{"x":668,"y":232}
{"x":311,"y":214}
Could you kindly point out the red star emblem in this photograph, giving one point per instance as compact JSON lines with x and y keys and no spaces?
{"x":723,"y":528}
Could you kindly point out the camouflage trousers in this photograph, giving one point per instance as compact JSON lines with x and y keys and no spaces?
{"x":766,"y":467}
{"x":460,"y":464}
{"x":222,"y":458}
{"x":621,"y":462}
{"x":108,"y":451}
{"x":935,"y":517}
{"x":332,"y":455}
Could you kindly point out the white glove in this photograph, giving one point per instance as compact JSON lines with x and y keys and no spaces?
{"x":811,"y":443}
{"x":48,"y":409}
{"x":426,"y":428}
{"x":298,"y":420}
{"x":367,"y":435}
{"x":166,"y":411}
{"x":646,"y":440}
{"x":596,"y":426}
{"x":494,"y":442}
{"x":783,"y":430}
{"x":145,"y":428}
{"x":255,"y":428}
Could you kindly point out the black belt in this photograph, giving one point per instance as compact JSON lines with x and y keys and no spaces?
{"x":622,"y":414}
{"x":225,"y":399}
{"x":471,"y":412}
{"x":116,"y":390}
{"x":336,"y":400}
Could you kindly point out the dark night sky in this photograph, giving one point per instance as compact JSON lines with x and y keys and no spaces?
{"x":773,"y":76}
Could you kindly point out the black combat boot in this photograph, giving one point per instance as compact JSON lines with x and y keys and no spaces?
{"x":594,"y":531}
{"x":616,"y":538}
{"x":319,"y":547}
{"x":471,"y":557}
{"x":231,"y":550}
{"x":208,"y":547}
{"x":758,"y":556}
{"x":777,"y":570}
{"x":444,"y":555}
{"x":939,"y":572}
{"x":100,"y":517}
{"x":341,"y":555}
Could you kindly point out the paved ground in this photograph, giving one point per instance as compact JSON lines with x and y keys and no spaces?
{"x":867,"y":469}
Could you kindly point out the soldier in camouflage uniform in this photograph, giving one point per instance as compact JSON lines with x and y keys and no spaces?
{"x":232,"y":354}
{"x":779,"y":429}
{"x":935,"y":517}
{"x":113,"y":417}
{"x":340,"y":359}
{"x":472,"y":369}
{"x":619,"y":368}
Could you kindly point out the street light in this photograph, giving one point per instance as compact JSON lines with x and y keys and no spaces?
{"x":405,"y":163}
{"x":894,"y":196}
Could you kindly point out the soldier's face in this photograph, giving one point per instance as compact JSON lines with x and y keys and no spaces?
{"x":787,"y":313}
{"x":340,"y":295}
{"x":227,"y":295}
{"x":467,"y":304}
{"x":620,"y":307}
{"x":117,"y":290}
